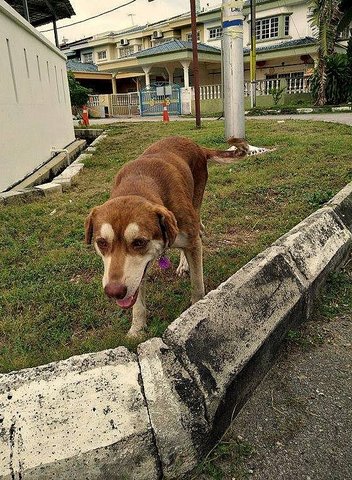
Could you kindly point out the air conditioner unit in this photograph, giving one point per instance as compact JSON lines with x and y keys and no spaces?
{"x":124,"y":41}
{"x":157,"y":34}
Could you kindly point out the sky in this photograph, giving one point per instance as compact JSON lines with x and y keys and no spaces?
{"x":141,"y":10}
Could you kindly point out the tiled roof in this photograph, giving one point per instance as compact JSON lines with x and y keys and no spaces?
{"x":301,"y":42}
{"x":76,"y":66}
{"x":175,"y":46}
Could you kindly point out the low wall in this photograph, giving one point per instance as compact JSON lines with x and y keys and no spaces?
{"x":117,"y":415}
{"x":215,"y":106}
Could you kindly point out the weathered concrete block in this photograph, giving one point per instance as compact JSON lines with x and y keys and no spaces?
{"x":30,"y":194}
{"x":341,"y":203}
{"x":12,"y":197}
{"x":217,"y":336}
{"x":317,"y":245}
{"x":64,"y":182}
{"x":82,"y":418}
{"x":91,"y":149}
{"x":50,"y":189}
{"x":71,"y":171}
{"x":98,"y":140}
{"x":176,"y":409}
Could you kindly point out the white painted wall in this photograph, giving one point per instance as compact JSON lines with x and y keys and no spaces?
{"x":35,"y":109}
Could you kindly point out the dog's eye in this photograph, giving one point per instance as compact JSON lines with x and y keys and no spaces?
{"x":102,"y":243}
{"x":139,"y":243}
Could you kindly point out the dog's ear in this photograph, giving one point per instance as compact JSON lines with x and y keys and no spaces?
{"x":88,"y":225}
{"x":168,"y":225}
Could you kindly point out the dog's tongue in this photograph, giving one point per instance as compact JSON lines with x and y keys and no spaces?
{"x":128,"y":302}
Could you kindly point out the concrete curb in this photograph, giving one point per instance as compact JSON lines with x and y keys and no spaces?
{"x":25,"y":192}
{"x":112,"y":414}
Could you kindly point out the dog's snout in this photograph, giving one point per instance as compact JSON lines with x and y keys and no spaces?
{"x":115,"y":290}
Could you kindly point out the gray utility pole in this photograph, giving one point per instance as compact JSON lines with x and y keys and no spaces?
{"x":253,"y":58}
{"x":233,"y":74}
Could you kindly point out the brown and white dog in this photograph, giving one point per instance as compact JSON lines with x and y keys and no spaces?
{"x":155,"y":204}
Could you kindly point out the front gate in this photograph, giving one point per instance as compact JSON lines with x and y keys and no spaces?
{"x":124,"y":104}
{"x":153,"y":98}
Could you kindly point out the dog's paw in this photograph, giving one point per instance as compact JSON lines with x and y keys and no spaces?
{"x":136,"y":333}
{"x":183,"y":267}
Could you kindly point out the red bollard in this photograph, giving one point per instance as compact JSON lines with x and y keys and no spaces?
{"x":85,"y":119}
{"x":165,"y":113}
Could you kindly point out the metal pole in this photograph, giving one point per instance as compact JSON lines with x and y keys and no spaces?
{"x":195,"y":63}
{"x":232,"y":50}
{"x":253,"y":57}
{"x":55,"y":33}
{"x":25,"y":10}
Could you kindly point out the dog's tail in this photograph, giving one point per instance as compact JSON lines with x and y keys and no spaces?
{"x":228,"y":156}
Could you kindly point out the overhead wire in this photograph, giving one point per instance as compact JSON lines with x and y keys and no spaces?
{"x":90,"y":18}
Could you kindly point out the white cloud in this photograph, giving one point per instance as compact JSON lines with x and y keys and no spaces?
{"x":142,"y":12}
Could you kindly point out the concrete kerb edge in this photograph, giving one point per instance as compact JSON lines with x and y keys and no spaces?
{"x":168,"y":378}
{"x":26,"y":195}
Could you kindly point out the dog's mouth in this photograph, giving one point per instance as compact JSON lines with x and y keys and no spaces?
{"x":129,"y":301}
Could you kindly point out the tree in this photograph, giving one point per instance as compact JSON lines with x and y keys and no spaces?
{"x":349,"y":70}
{"x":345,"y":19}
{"x":324,"y":18}
{"x":79,"y":95}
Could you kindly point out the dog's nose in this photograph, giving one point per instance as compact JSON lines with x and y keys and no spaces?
{"x":115,"y":290}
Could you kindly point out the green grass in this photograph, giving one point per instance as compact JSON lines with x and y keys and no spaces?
{"x":52,"y":305}
{"x":226,"y":461}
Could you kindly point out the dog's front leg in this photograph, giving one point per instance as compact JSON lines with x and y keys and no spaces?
{"x":194,"y":257}
{"x":139,"y":313}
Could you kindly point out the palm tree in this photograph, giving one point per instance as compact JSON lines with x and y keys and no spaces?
{"x":324,"y":18}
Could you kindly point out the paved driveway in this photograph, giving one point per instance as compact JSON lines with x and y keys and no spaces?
{"x":345,"y":117}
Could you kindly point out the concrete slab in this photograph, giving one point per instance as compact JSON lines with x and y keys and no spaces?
{"x":341,"y":203}
{"x":64,"y":182}
{"x":50,"y":189}
{"x":82,"y":418}
{"x":176,"y":409}
{"x":12,"y":197}
{"x":219,"y":335}
{"x":317,"y":245}
{"x":71,"y":171}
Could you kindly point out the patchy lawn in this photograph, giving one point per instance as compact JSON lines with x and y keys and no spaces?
{"x":52,"y":305}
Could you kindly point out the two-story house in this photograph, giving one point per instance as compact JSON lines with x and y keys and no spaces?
{"x":162,"y":51}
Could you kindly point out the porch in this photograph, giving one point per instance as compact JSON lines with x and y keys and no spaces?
{"x":211,"y":96}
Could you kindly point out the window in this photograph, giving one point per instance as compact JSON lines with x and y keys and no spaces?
{"x":126,"y":51}
{"x":159,"y":41}
{"x":189,"y":36}
{"x":287,"y":25}
{"x":87,"y":57}
{"x":215,"y":33}
{"x":267,"y":28}
{"x":102,"y":55}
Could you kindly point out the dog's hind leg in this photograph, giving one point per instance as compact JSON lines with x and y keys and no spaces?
{"x":139,"y":313}
{"x":194,"y":257}
{"x":183,"y":267}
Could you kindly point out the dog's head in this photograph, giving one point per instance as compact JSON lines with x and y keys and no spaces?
{"x":128,"y":233}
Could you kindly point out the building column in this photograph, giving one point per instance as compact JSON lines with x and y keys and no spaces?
{"x":185,"y":65}
{"x":113,"y":81}
{"x":146,"y":71}
{"x":170,"y":72}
